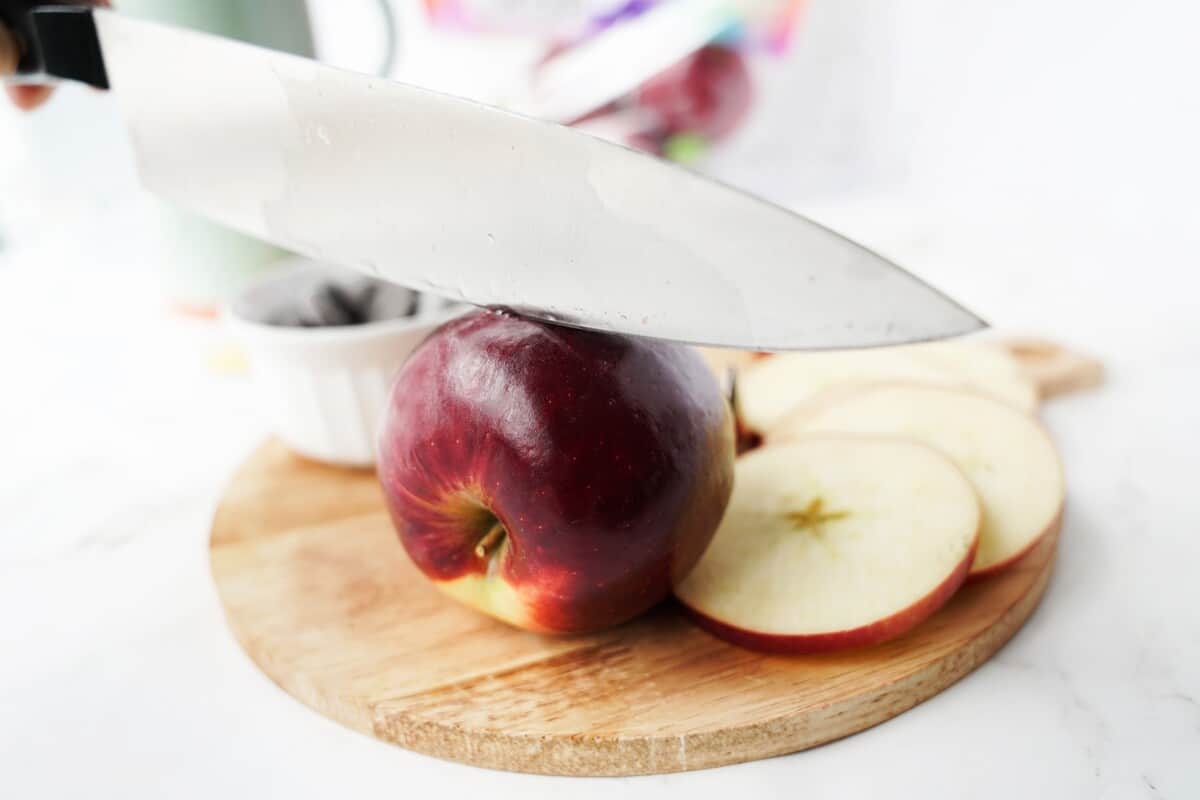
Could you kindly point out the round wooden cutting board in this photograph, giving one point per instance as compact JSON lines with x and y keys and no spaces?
{"x":322,"y":596}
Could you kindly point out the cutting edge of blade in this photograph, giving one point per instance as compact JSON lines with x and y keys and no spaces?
{"x":971,"y":324}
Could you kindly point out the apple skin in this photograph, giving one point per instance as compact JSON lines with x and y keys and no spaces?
{"x":879,"y":631}
{"x":607,"y":459}
{"x":708,"y":93}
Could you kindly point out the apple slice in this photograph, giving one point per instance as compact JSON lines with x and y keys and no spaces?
{"x":985,"y":367}
{"x":770,"y":389}
{"x":1005,"y":453}
{"x":834,"y":541}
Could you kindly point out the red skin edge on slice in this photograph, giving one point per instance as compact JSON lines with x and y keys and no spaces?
{"x":888,"y":628}
{"x":1054,"y":527}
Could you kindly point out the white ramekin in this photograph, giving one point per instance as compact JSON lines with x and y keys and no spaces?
{"x":325,"y":389}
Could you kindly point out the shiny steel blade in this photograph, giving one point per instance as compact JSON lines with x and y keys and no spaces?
{"x":474,"y":203}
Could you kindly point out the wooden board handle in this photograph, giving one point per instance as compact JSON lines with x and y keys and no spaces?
{"x":1055,"y":369}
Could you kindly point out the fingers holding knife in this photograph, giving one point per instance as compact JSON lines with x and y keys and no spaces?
{"x":8,"y":53}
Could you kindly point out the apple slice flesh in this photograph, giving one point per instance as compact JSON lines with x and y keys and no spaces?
{"x":1006,"y":455}
{"x":768,"y":390}
{"x":986,"y":368}
{"x":832,"y":542}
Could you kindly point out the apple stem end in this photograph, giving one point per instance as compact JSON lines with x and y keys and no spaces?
{"x":490,"y":541}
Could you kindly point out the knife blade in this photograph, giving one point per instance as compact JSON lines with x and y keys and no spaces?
{"x":471,"y":202}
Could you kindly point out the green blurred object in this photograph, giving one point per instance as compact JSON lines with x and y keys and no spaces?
{"x":685,"y":148}
{"x":204,"y":263}
{"x":278,"y":24}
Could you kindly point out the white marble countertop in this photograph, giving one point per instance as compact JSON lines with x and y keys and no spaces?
{"x":118,"y":677}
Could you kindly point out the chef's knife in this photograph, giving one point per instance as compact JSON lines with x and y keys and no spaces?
{"x":471,"y":202}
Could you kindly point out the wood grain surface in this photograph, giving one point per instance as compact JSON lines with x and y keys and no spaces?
{"x":322,"y":597}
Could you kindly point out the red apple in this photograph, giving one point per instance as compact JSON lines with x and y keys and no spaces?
{"x":708,"y":93}
{"x":558,"y":479}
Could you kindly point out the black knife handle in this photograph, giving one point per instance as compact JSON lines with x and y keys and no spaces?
{"x":56,"y":40}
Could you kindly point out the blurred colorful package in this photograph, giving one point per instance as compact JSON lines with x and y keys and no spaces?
{"x":673,"y":77}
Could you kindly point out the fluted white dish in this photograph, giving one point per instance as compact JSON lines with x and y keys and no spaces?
{"x":324,"y":389}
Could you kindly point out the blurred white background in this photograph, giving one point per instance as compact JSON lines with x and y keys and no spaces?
{"x":1036,"y":159}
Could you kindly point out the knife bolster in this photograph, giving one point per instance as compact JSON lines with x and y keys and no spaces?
{"x":69,"y":46}
{"x":55,"y":41}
